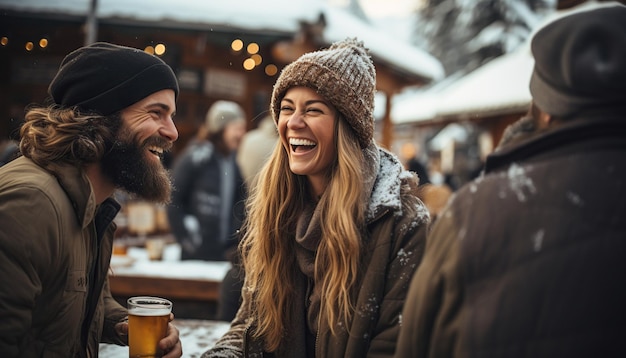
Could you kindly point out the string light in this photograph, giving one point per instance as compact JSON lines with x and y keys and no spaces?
{"x":236,"y":45}
{"x":252,"y":48}
{"x":271,"y":70}
{"x":248,"y":64}
{"x":159,"y":49}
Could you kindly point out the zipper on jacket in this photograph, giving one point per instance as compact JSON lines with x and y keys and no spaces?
{"x":307,"y":304}
{"x":89,"y":297}
{"x":245,"y":340}
{"x":317,"y":337}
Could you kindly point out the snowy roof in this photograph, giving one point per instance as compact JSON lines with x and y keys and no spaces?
{"x":284,"y":16}
{"x":500,"y":86}
{"x":279,"y":15}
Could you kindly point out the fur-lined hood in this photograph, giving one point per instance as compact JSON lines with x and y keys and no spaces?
{"x":384,"y":177}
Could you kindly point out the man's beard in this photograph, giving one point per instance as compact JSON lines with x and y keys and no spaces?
{"x":129,"y":169}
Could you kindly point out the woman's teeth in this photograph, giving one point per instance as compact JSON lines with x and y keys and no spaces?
{"x":300,"y":142}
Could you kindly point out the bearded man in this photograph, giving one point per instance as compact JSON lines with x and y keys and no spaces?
{"x":107,"y":125}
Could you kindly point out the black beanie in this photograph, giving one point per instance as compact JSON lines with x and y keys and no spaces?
{"x":580,"y":61}
{"x":106,"y":78}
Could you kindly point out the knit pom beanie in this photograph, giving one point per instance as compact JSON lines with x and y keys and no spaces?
{"x":580,"y":62}
{"x":221,"y":113}
{"x":343,"y":74}
{"x":106,"y":78}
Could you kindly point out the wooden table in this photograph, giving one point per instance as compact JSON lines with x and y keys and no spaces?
{"x":196,"y":336}
{"x":182,"y":288}
{"x":193,"y":286}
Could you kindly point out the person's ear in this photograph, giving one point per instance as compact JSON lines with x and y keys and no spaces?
{"x":546,"y":118}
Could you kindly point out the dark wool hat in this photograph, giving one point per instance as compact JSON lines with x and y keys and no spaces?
{"x":343,"y":74}
{"x":580,"y":61}
{"x":107,"y":78}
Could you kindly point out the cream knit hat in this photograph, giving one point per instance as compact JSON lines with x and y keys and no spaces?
{"x":221,"y":113}
{"x":344,"y":74}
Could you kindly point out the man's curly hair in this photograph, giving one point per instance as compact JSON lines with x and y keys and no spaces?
{"x":54,"y":134}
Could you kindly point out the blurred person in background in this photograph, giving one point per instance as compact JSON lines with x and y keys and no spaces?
{"x":207,"y":201}
{"x":256,"y":147}
{"x":528,"y":259}
{"x":9,"y":150}
{"x":334,"y":229}
{"x":10,"y":147}
{"x":435,"y":197}
{"x":108,"y":123}
{"x":417,"y":165}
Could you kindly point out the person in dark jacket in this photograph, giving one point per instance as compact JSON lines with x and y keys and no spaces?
{"x":208,"y":201}
{"x":528,"y":259}
{"x":334,"y":229}
{"x":209,"y":190}
{"x":107,"y":124}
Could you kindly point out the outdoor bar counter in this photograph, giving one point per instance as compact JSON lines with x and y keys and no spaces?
{"x":192,"y":286}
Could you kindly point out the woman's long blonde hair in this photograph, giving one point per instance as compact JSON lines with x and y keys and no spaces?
{"x":52,"y":134}
{"x":267,"y":247}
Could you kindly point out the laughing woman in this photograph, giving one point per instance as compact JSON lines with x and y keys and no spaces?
{"x":334,"y":230}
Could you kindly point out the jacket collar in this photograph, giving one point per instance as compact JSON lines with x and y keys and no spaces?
{"x":383,"y":180}
{"x":78,"y":189}
{"x":526,"y":142}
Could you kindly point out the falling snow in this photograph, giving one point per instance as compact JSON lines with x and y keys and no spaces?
{"x":519,"y":182}
{"x":462,"y":233}
{"x":575,"y":199}
{"x":537,"y":240}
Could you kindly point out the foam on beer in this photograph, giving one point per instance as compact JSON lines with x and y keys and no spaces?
{"x":154,"y":311}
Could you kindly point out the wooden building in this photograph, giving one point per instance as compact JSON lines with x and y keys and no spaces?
{"x":219,"y":50}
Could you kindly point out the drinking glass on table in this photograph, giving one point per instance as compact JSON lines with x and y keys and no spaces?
{"x":147,"y":325}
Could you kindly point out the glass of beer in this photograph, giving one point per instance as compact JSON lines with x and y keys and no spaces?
{"x":147,"y":325}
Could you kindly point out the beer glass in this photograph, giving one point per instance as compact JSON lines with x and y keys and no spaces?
{"x":147,"y":325}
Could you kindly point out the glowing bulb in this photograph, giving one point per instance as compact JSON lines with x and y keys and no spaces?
{"x":271,"y":70}
{"x":43,"y":43}
{"x":236,"y":45}
{"x":253,"y":48}
{"x":159,"y":49}
{"x":248,"y":64}
{"x":29,"y":46}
